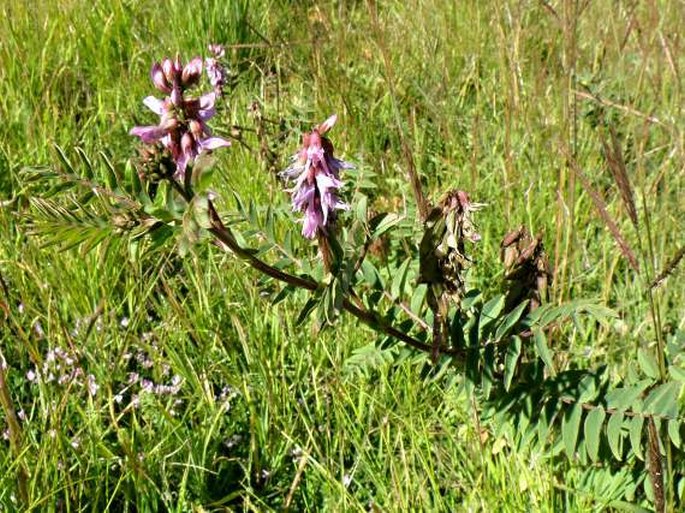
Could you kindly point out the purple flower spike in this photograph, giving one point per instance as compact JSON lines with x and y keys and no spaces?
{"x":316,"y":174}
{"x":215,"y":71}
{"x":182,"y":127}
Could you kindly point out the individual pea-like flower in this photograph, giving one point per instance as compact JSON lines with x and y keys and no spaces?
{"x":316,"y":173}
{"x":182,"y":127}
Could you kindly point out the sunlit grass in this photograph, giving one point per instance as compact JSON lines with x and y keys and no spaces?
{"x":490,"y":96}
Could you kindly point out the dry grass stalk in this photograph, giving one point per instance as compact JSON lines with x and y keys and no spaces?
{"x":617,"y":165}
{"x":600,"y":205}
{"x":668,"y":270}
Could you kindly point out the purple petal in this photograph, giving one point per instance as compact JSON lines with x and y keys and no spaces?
{"x":149,"y":134}
{"x":328,"y":124}
{"x":312,"y":222}
{"x":207,"y":101}
{"x":212,"y":143}
{"x":303,"y":198}
{"x":155,"y":105}
{"x":181,"y":164}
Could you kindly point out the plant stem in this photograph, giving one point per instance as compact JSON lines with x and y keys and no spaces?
{"x":354,"y":305}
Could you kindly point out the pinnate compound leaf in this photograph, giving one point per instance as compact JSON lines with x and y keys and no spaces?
{"x":593,"y":431}
{"x":368,"y":358}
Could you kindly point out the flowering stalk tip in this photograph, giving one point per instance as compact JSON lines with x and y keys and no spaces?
{"x":182,"y":127}
{"x":316,"y":173}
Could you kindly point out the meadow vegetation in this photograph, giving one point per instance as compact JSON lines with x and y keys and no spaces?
{"x":184,"y":380}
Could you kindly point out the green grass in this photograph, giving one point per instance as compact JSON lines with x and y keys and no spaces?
{"x":490,"y":96}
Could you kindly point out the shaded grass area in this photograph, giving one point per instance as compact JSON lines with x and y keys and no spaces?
{"x":491,"y":97}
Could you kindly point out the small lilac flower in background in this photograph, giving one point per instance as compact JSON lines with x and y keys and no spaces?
{"x":215,"y":71}
{"x":182,"y":127}
{"x":316,"y":173}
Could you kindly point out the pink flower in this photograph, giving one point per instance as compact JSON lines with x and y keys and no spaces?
{"x":182,"y":127}
{"x":316,"y":173}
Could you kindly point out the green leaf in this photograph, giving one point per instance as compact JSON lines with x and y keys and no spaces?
{"x":400,"y":279}
{"x":368,"y":358}
{"x":615,"y":434}
{"x":309,"y":306}
{"x":252,"y":213}
{"x":510,"y":320}
{"x":65,"y":160}
{"x":570,"y":427}
{"x":383,"y":222}
{"x":88,"y":170}
{"x":648,"y":364}
{"x":269,"y":223}
{"x":111,"y":178}
{"x":239,"y":204}
{"x":593,"y":430}
{"x":201,"y":211}
{"x":635,"y":434}
{"x":417,"y":298}
{"x":361,"y":208}
{"x":202,"y":173}
{"x":543,"y":350}
{"x":674,"y":432}
{"x":510,"y":360}
{"x":587,"y":388}
{"x":489,"y":315}
{"x":676,"y":373}
{"x":627,"y":398}
{"x":371,"y":274}
{"x":663,"y":400}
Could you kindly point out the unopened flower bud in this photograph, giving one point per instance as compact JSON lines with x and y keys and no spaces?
{"x":187,"y":143}
{"x":168,"y":69}
{"x":158,"y":78}
{"x":176,"y":96}
{"x":196,"y":128}
{"x":192,"y":72}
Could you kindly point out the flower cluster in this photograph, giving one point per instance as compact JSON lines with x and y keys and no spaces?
{"x":316,"y":173}
{"x":182,"y":128}
{"x":62,"y":366}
